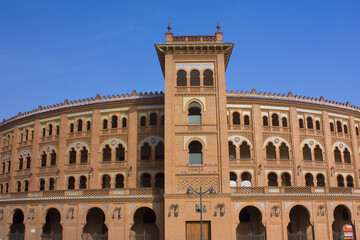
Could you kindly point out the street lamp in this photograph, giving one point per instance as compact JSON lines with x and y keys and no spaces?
{"x":191,"y":190}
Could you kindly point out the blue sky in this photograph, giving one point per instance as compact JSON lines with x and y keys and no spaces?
{"x":56,"y":50}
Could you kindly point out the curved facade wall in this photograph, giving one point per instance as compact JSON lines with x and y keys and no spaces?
{"x":103,"y":166}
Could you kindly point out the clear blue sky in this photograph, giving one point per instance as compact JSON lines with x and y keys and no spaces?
{"x":56,"y":50}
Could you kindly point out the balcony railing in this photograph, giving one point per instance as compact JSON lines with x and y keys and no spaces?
{"x":293,"y":190}
{"x":102,"y":192}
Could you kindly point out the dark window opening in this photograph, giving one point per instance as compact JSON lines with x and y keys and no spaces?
{"x":195,"y":153}
{"x":181,"y":78}
{"x":114,"y":121}
{"x":143,"y":121}
{"x":79,"y":125}
{"x":72,"y":156}
{"x":84,"y":155}
{"x":284,"y":122}
{"x":105,"y":124}
{"x":232,"y":150}
{"x":265,"y":121}
{"x":153,"y":119}
{"x":107,"y":154}
{"x":120,"y":153}
{"x":195,"y":78}
{"x":208,"y":78}
{"x":145,"y":151}
{"x":236,"y":118}
{"x":71,"y":183}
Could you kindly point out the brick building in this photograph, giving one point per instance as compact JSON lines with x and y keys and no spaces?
{"x":120,"y":167}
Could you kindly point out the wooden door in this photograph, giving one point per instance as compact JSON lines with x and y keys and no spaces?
{"x":193,"y":230}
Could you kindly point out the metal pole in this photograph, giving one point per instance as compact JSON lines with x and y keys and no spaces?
{"x":201,"y":211}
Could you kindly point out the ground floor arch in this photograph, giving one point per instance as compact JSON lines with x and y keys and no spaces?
{"x":250,"y":226}
{"x":52,"y":229}
{"x":17,"y":228}
{"x":95,"y":228}
{"x":300,"y":226}
{"x":144,"y":226}
{"x":342,"y":216}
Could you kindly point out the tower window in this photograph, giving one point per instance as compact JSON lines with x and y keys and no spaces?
{"x":275,"y":120}
{"x":181,"y":78}
{"x":208,"y":78}
{"x":153,"y":119}
{"x":195,"y":153}
{"x":236,"y":118}
{"x":195,"y":78}
{"x":194,"y":115}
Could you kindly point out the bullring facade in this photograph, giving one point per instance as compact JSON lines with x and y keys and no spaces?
{"x":119,"y":167}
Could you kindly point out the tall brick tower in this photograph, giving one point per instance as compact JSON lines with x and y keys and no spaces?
{"x":196,"y":151}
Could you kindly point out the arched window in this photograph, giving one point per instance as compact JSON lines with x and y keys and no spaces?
{"x":114,"y":121}
{"x":357,"y":131}
{"x":345,"y":129}
{"x":332,"y":127}
{"x":181,"y":78}
{"x":245,"y":176}
{"x":309,"y":180}
{"x":347,"y":157}
{"x":285,"y":180}
{"x":245,"y":151}
{"x":42,"y":185}
{"x":1,"y":188}
{"x":105,"y":124}
{"x":159,"y":151}
{"x":53,"y":158}
{"x":28,"y":161}
{"x":208,"y":78}
{"x":275,"y":120}
{"x":195,"y":153}
{"x":317,"y":124}
{"x":43,"y":132}
{"x":159,"y":180}
{"x":318,"y":153}
{"x":51,"y":184}
{"x":71,"y":128}
{"x":284,"y":122}
{"x":119,"y":181}
{"x":106,"y":181}
{"x":265,"y":121}
{"x":50,"y":129}
{"x":284,"y":151}
{"x":306,"y":153}
{"x":153,"y":119}
{"x":43,"y":159}
{"x":26,"y":185}
{"x":270,"y":151}
{"x":57,"y":131}
{"x":71,"y":183}
{"x":301,"y":123}
{"x":163,"y":120}
{"x":194,"y":113}
{"x":320,"y":180}
{"x":236,"y":118}
{"x":145,"y":180}
{"x":124,"y":122}
{"x":339,"y":126}
{"x":107,"y":154}
{"x":232,"y":150}
{"x":340,"y":181}
{"x":272,"y":180}
{"x":246,"y":120}
{"x":21,"y":163}
{"x":72,"y":156}
{"x":349,"y":181}
{"x":120,"y":153}
{"x":337,"y":155}
{"x":310,"y":124}
{"x":83,"y":181}
{"x":143,"y":121}
{"x":3,"y":167}
{"x":18,"y":186}
{"x":194,"y":78}
{"x":233,"y":179}
{"x":79,"y":125}
{"x":88,"y":126}
{"x":84,"y":155}
{"x":145,"y":151}
{"x":26,"y":134}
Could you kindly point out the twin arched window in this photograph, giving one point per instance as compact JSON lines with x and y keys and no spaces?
{"x":208,"y":79}
{"x":271,"y":151}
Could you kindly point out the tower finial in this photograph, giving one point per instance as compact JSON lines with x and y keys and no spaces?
{"x":169,"y":28}
{"x":218,"y":27}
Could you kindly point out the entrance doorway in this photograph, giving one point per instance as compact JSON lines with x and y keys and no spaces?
{"x":144,"y":226}
{"x":193,"y":230}
{"x":250,"y":226}
{"x":342,"y":216}
{"x":95,"y":228}
{"x":300,"y":226}
{"x":52,"y":229}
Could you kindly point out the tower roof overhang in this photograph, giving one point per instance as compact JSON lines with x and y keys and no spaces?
{"x":194,"y":48}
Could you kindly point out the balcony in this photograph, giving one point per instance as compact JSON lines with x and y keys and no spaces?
{"x":51,"y":138}
{"x":311,"y":132}
{"x":77,"y":167}
{"x":340,"y":135}
{"x":317,"y":164}
{"x":112,"y":165}
{"x":159,"y":130}
{"x":114,"y":131}
{"x":277,"y":162}
{"x":86,"y":193}
{"x":241,"y":162}
{"x":236,"y":128}
{"x":345,"y":166}
{"x":277,"y":129}
{"x":25,"y":143}
{"x":196,"y":89}
{"x":79,"y":134}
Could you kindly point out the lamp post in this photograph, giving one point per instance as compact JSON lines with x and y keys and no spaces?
{"x":191,"y":190}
